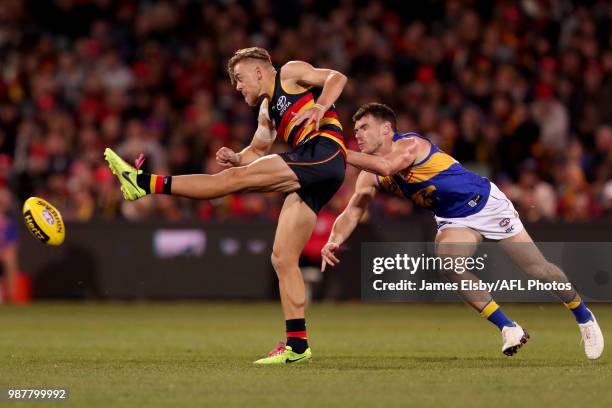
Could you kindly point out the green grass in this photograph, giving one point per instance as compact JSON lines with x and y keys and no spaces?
{"x":200,"y":354}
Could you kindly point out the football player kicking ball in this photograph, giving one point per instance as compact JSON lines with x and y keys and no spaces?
{"x":295,"y":102}
{"x":467,"y":207}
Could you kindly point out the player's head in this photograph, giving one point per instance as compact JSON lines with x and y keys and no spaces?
{"x":247,"y":70}
{"x":375,"y":123}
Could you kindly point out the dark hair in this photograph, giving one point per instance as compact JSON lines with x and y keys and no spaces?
{"x":379,"y":111}
{"x":244,"y":53}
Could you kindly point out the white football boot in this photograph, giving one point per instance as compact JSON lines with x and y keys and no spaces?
{"x":513,"y":337}
{"x":592,"y":337}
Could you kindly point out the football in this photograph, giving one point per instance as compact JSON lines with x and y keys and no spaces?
{"x":44,"y":221}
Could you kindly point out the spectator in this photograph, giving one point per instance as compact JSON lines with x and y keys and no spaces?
{"x":493,"y":83}
{"x":534,"y":199}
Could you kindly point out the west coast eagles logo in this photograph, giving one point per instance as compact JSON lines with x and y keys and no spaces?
{"x":424,"y":197}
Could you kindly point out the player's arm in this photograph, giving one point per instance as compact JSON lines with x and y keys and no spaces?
{"x":402,"y":155}
{"x":260,"y":145}
{"x":303,"y":74}
{"x":345,"y":224}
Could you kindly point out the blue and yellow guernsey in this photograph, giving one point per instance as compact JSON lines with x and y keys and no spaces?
{"x":438,"y":183}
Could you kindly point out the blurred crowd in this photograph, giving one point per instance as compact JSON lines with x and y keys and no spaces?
{"x":519,"y":91}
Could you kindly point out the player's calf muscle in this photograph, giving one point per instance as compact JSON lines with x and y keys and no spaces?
{"x":204,"y":186}
{"x":543,"y":270}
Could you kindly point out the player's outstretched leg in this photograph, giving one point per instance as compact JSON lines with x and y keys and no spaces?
{"x":462,"y":242}
{"x":269,"y":173}
{"x":526,"y":255}
{"x":296,"y":222}
{"x":295,"y":226}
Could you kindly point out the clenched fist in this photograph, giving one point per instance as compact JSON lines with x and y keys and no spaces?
{"x":226,"y":157}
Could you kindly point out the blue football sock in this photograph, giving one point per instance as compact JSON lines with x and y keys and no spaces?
{"x":493,"y":313}
{"x":579,"y":309}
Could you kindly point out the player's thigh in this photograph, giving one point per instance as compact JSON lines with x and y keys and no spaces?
{"x":295,"y":225}
{"x":522,"y":250}
{"x":457,"y":242}
{"x":460,"y":242}
{"x":268,"y":173}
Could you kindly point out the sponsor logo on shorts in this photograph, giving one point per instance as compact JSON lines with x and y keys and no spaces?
{"x":474,"y":201}
{"x":509,"y":230}
{"x":443,"y":223}
{"x":503,"y":223}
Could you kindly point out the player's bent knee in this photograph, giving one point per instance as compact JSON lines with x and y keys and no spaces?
{"x":276,"y":261}
{"x":282,"y":263}
{"x":449,"y":273}
{"x":455,"y":249}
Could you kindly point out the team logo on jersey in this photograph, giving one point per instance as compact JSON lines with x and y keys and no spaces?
{"x":388,"y":184}
{"x":503,"y":223}
{"x":424,"y":197}
{"x":282,"y":104}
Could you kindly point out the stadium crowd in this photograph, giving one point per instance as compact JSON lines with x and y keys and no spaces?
{"x":518,"y":91}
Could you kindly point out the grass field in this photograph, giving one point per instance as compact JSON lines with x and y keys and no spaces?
{"x":199,"y":354}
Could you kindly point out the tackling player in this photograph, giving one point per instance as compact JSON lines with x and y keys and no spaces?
{"x":467,"y":208}
{"x":295,"y":102}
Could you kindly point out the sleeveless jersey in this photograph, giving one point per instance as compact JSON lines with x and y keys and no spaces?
{"x":283,"y":106}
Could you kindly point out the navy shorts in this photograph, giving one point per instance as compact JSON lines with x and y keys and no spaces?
{"x":319,"y":165}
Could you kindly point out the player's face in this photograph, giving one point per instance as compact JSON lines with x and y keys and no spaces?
{"x":248,"y":81}
{"x":369,"y":134}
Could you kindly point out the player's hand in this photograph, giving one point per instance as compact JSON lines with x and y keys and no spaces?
{"x":312,"y":115}
{"x":226,"y":157}
{"x":328,"y":255}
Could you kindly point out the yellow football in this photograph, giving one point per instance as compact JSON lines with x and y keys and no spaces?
{"x":44,"y":221}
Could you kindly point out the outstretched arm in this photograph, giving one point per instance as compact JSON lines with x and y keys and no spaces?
{"x":401,"y":156}
{"x":260,"y":145}
{"x":303,"y":74}
{"x":345,"y":224}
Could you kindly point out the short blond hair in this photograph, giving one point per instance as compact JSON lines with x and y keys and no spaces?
{"x":246,"y":53}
